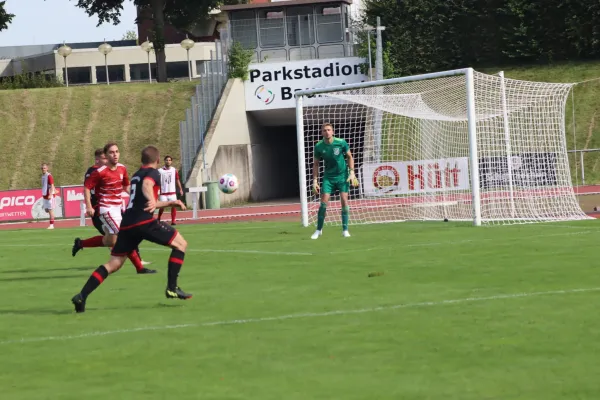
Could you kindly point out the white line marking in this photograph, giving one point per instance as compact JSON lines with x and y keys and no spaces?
{"x":292,"y":253}
{"x":298,"y":316}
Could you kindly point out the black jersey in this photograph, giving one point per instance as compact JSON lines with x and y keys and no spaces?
{"x":93,"y":198}
{"x":135,"y":214}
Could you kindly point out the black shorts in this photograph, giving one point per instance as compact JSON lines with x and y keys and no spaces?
{"x":154,"y":231}
{"x":97,"y":223}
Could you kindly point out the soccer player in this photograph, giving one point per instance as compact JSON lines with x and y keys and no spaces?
{"x":48,"y":192}
{"x":98,"y":241}
{"x":138,"y":224}
{"x":170,"y":186}
{"x":338,"y":175}
{"x":108,"y":182}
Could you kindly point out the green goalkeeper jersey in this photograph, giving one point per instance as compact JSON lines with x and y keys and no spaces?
{"x":333,"y":155}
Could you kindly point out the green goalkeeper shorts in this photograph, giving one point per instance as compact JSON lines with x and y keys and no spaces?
{"x":330,"y":185}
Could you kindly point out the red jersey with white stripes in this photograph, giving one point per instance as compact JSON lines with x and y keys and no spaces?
{"x":168,"y":179}
{"x":108,"y":184}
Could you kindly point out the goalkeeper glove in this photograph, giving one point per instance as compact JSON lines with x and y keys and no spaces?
{"x":352,"y":179}
{"x":316,"y":187}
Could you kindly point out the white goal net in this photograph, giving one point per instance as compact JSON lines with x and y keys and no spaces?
{"x":458,"y":145}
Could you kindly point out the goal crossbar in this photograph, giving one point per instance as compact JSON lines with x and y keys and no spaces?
{"x":382,"y":82}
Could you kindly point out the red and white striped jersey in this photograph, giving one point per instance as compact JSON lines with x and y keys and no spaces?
{"x":168,"y":179}
{"x":108,"y":185}
{"x":47,"y":182}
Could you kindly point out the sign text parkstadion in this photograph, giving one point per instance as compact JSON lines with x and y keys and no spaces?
{"x":272,"y":85}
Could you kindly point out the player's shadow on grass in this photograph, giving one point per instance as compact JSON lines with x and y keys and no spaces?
{"x":41,"y":278}
{"x":41,"y":270}
{"x":69,"y":310}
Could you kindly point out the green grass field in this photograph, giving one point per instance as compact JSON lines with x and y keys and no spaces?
{"x":459,"y":313}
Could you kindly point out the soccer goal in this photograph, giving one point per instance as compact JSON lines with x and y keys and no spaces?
{"x":458,"y":145}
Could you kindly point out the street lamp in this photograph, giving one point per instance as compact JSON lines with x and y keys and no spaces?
{"x":105,"y":48}
{"x":187,"y":44}
{"x":147,"y":46}
{"x":64,"y":51}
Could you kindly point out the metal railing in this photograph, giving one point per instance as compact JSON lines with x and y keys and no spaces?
{"x":293,"y":37}
{"x":579,"y":164}
{"x":192,"y":131}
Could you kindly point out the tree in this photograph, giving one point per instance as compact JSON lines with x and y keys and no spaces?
{"x":130,"y":35}
{"x":5,"y":18}
{"x":179,"y":13}
{"x":433,"y":35}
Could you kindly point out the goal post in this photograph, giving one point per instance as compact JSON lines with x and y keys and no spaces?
{"x":458,"y":145}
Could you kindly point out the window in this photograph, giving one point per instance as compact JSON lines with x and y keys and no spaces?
{"x":177,"y":69}
{"x":116,"y":73}
{"x":243,"y":29}
{"x":329,"y":24}
{"x":300,"y":26}
{"x":139,"y":72}
{"x":79,"y":75}
{"x":271,"y":27}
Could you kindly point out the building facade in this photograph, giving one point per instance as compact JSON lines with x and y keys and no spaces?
{"x":127,"y":62}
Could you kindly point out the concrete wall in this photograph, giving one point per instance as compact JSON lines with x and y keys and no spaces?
{"x":229,"y":127}
{"x":235,"y":159}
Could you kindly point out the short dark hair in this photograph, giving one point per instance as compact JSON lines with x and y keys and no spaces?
{"x":150,"y":155}
{"x":108,"y":145}
{"x":98,"y":153}
{"x":326,"y":124}
{"x":165,"y":159}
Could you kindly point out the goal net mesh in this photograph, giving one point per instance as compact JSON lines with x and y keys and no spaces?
{"x":410,"y":145}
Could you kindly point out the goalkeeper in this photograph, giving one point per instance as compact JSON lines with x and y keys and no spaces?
{"x":338,"y":175}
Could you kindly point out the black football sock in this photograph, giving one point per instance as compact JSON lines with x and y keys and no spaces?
{"x":175,"y":263}
{"x":98,"y":276}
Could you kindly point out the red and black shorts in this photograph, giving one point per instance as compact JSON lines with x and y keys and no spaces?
{"x":131,"y":236}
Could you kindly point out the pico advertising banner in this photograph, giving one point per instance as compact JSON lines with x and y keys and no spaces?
{"x":410,"y":177}
{"x":27,"y":204}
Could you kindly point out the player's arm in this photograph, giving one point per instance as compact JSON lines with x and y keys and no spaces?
{"x":88,"y":185}
{"x":178,"y":183}
{"x":350,"y":161}
{"x":315,"y":171}
{"x":126,"y":183}
{"x":152,"y":204}
{"x":52,"y":187}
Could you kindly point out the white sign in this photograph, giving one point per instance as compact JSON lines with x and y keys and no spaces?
{"x":272,"y":85}
{"x":423,"y":176}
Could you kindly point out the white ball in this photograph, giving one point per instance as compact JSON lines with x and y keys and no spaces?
{"x":228,"y":183}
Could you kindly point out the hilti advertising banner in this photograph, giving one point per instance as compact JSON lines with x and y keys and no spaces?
{"x":26,"y":204}
{"x":73,"y":196}
{"x":409,"y":177}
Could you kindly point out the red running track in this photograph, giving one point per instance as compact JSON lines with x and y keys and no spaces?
{"x":283,"y":211}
